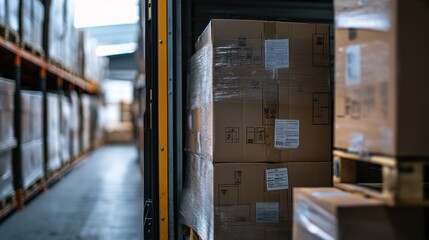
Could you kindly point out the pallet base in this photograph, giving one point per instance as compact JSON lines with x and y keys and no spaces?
{"x":32,"y":49}
{"x":9,"y":35}
{"x":402,"y":181}
{"x":7,"y":205}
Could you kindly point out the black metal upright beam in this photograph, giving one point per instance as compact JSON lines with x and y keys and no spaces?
{"x":150,"y":175}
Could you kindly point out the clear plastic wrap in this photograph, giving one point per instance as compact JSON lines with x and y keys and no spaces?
{"x":53,"y":113}
{"x":31,"y":115}
{"x":3,"y":12}
{"x":12,"y":14}
{"x":86,"y":121}
{"x":32,"y":162}
{"x":32,"y":22}
{"x":7,"y":91}
{"x":364,"y":14}
{"x":6,"y":175}
{"x":65,"y":129}
{"x":75,"y":123}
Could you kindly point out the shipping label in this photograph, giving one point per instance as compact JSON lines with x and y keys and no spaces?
{"x":277,"y":53}
{"x":277,"y":179}
{"x":267,"y":212}
{"x":353,"y":65}
{"x":286,"y":133}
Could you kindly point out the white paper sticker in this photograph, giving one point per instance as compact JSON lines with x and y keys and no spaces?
{"x":353,"y":65}
{"x":267,"y":212}
{"x":277,"y":53}
{"x":277,"y":179}
{"x":356,"y":143}
{"x":286,"y":133}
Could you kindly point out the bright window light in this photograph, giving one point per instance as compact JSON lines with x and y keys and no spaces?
{"x":116,"y":49}
{"x":93,"y":13}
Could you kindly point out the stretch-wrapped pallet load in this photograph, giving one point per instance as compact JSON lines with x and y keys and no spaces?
{"x":329,"y":213}
{"x":259,"y":124}
{"x":31,"y":136}
{"x":12,"y":15}
{"x":6,"y":174}
{"x":3,"y":12}
{"x":75,"y":123}
{"x":7,"y":90}
{"x":57,"y":30}
{"x":93,"y":67}
{"x":86,"y":121}
{"x":53,"y":116}
{"x":66,"y":128}
{"x":380,"y":77}
{"x":32,"y":22}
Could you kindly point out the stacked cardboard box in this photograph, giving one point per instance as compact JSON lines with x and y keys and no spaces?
{"x":65,"y":129}
{"x":329,"y":213}
{"x":53,"y":117}
{"x":258,"y":126}
{"x":31,"y":136}
{"x":380,"y":67}
{"x":7,"y":91}
{"x":75,"y":124}
{"x":32,"y":22}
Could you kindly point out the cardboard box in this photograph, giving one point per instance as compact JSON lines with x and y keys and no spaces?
{"x":329,"y":213}
{"x":32,"y":162}
{"x":119,"y":133}
{"x":6,"y":174}
{"x":248,"y":74}
{"x":248,"y":200}
{"x":7,"y":91}
{"x":380,"y":71}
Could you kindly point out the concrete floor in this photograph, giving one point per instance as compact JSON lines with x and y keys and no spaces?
{"x":100,"y":200}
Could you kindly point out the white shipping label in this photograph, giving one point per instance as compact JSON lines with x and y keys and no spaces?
{"x":353,"y":65}
{"x":277,"y":53}
{"x":277,"y":179}
{"x":267,"y":212}
{"x":286,"y":133}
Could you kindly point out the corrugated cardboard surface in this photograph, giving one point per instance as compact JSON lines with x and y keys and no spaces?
{"x":380,"y":84}
{"x":233,"y":120}
{"x":331,"y":213}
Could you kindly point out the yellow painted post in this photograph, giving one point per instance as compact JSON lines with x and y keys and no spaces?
{"x":163,"y":119}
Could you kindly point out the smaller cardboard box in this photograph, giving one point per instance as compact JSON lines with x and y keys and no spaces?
{"x":329,"y":213}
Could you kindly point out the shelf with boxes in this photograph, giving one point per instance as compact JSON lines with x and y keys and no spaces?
{"x":44,"y":115}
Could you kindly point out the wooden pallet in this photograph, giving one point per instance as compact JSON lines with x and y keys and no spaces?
{"x":402,"y":181}
{"x":9,"y":35}
{"x":7,"y":205}
{"x":28,"y":47}
{"x":53,"y":176}
{"x":35,"y":188}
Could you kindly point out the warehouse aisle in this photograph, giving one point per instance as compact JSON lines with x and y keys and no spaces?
{"x":101,"y":199}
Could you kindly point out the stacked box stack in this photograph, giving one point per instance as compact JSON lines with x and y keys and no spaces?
{"x":379,"y":70}
{"x":57,"y":30}
{"x":7,"y":91}
{"x":93,"y":67}
{"x":31,"y":136}
{"x":66,"y":128}
{"x":53,"y":117}
{"x":32,"y":22}
{"x":75,"y":124}
{"x":258,"y":126}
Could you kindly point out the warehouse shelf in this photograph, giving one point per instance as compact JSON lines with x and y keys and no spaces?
{"x":30,"y":62}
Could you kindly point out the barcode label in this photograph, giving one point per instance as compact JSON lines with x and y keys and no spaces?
{"x":286,"y":133}
{"x":353,"y":68}
{"x":267,"y":212}
{"x":277,"y":179}
{"x":277,"y":53}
